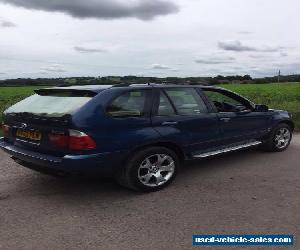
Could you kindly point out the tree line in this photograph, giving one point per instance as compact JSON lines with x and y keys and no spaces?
{"x":111,"y":80}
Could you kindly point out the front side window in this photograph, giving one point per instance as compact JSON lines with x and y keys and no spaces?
{"x":129,"y":104}
{"x":225,"y":103}
{"x":187,"y":101}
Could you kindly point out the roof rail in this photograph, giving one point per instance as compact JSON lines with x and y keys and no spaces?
{"x":133,"y":84}
{"x":121,"y":85}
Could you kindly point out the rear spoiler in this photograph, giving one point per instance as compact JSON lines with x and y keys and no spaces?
{"x":66,"y":92}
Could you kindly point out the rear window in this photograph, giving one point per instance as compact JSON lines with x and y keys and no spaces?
{"x":52,"y":103}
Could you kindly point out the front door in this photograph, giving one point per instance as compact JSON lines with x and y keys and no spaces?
{"x":238,"y":120}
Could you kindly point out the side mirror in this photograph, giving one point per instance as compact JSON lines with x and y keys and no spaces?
{"x":261,"y":108}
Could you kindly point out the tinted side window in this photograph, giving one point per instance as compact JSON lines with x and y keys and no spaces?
{"x":219,"y":97}
{"x":224,"y":103}
{"x":187,"y":101}
{"x":129,"y":104}
{"x":165,"y":108}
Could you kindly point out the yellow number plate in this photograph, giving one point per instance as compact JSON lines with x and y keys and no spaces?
{"x":32,"y":135}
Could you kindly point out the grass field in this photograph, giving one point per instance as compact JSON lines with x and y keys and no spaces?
{"x":278,"y":96}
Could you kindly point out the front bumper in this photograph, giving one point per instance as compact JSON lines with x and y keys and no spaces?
{"x":100,"y":163}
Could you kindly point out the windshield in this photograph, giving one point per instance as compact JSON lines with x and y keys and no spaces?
{"x":49,"y":105}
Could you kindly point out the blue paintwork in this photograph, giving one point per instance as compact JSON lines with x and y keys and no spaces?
{"x":101,"y":163}
{"x":118,"y":138}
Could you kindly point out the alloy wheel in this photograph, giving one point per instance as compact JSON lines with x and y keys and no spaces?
{"x":282,"y":138}
{"x":156,"y":170}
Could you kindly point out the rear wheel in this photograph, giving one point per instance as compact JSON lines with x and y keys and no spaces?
{"x":149,"y":170}
{"x":279,"y":139}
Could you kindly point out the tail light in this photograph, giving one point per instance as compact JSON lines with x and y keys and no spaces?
{"x":6,"y":130}
{"x":79,"y":140}
{"x":75,"y":140}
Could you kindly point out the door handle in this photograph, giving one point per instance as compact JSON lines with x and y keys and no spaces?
{"x":169,"y":123}
{"x":225,"y":119}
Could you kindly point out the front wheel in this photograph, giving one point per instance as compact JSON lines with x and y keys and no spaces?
{"x":149,"y":170}
{"x":279,"y":139}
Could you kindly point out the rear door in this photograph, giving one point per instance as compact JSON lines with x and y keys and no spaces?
{"x":127,"y":120}
{"x":180,"y":115}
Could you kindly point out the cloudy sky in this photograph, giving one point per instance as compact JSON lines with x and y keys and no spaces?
{"x":61,"y":38}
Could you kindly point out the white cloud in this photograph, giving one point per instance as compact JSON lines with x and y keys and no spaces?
{"x":88,"y":50}
{"x":55,"y":68}
{"x":238,"y":46}
{"x":6,"y":24}
{"x":159,"y":66}
{"x":283,"y":54}
{"x":245,"y":32}
{"x":215,"y":60}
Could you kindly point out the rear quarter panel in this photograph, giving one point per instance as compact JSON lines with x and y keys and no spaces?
{"x":114,"y":134}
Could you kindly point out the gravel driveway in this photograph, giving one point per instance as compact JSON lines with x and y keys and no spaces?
{"x":249,"y":192}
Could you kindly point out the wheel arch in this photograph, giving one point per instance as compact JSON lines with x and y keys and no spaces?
{"x":288,"y":122}
{"x":169,"y":145}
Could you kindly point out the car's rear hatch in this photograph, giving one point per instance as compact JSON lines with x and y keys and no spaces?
{"x":41,"y":120}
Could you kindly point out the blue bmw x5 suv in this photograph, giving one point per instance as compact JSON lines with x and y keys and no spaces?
{"x":140,"y":134}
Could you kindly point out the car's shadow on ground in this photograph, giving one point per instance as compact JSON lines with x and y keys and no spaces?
{"x":82,"y":187}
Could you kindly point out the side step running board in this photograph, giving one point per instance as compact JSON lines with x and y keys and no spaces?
{"x":229,"y":149}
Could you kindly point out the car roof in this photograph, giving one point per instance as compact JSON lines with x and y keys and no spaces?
{"x":99,"y":88}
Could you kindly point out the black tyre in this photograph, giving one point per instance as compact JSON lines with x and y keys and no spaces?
{"x":149,"y":170}
{"x":279,"y":138}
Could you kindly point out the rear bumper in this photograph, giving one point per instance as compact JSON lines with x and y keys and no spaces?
{"x":100,"y":163}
